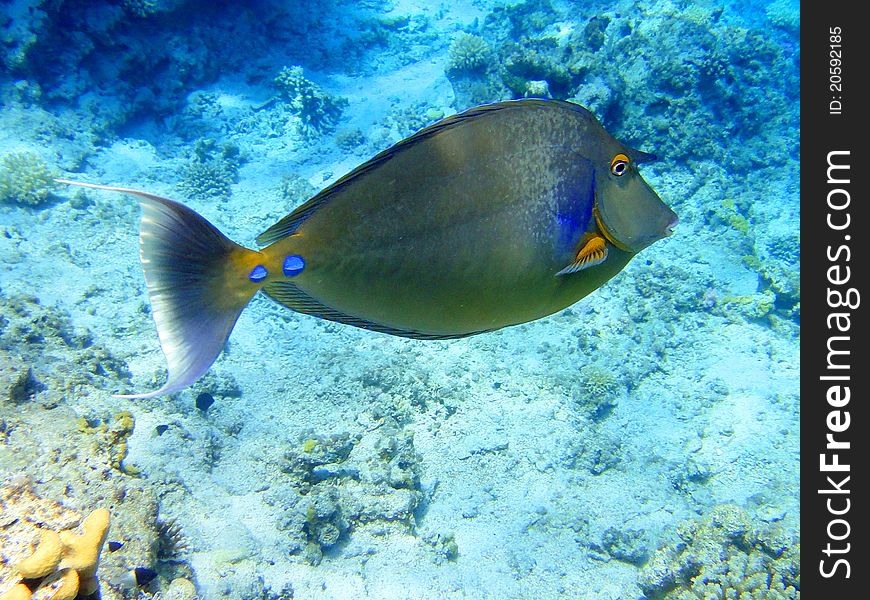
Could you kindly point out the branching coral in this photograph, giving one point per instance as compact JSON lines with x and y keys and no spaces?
{"x":601,"y":390}
{"x":295,"y":189}
{"x":211,"y":171}
{"x":318,"y":111}
{"x":25,"y":179}
{"x":727,"y":555}
{"x":468,"y":54}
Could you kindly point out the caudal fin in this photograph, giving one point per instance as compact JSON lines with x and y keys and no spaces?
{"x":197,"y":281}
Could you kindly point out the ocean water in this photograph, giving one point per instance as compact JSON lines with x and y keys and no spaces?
{"x":641,"y":444}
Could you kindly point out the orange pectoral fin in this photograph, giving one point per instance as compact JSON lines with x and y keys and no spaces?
{"x":593,"y":252}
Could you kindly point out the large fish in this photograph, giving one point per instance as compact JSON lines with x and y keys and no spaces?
{"x":499,"y":215}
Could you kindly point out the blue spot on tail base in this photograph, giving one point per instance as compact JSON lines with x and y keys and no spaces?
{"x":258,"y":274}
{"x":293,"y":265}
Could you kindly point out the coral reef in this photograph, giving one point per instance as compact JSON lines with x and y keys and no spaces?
{"x":404,"y":121}
{"x":725,"y":555}
{"x":295,"y":189}
{"x":112,"y":436}
{"x":785,"y":14}
{"x":148,"y":8}
{"x":471,"y":69}
{"x":468,"y":54}
{"x":350,"y":140}
{"x":524,"y":456}
{"x":211,"y":171}
{"x":628,"y":545}
{"x":52,"y":357}
{"x":25,"y":179}
{"x":39,"y":558}
{"x":602,"y":390}
{"x":535,"y":61}
{"x":318,"y":111}
{"x":47,"y":454}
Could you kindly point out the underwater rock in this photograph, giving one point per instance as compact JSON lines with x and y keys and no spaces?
{"x":220,"y":384}
{"x":318,"y":451}
{"x":594,"y":32}
{"x":593,"y":451}
{"x":324,"y":522}
{"x":535,"y":60}
{"x":179,"y":589}
{"x":777,"y":261}
{"x":627,"y":545}
{"x":113,"y":434}
{"x":23,"y":385}
{"x":443,"y":546}
{"x":45,"y":440}
{"x":519,"y":19}
{"x":343,"y":482}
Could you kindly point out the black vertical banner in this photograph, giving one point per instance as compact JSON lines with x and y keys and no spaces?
{"x":835,"y":347}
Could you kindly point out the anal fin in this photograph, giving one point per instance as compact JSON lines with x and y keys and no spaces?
{"x":593,"y":252}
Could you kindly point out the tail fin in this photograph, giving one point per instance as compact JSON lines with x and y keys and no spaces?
{"x":197,"y":281}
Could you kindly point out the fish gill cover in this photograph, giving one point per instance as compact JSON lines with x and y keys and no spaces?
{"x":643,"y":441}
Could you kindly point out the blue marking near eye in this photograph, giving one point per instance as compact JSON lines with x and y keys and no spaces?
{"x":567,"y":220}
{"x":258,"y":274}
{"x":293,"y":265}
{"x":568,"y":228}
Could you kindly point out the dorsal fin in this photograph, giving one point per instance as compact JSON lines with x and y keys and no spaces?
{"x":289,"y":224}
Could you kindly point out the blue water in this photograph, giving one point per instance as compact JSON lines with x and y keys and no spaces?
{"x":642,"y":443}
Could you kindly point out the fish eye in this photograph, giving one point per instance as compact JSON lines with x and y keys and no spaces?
{"x":619,"y":165}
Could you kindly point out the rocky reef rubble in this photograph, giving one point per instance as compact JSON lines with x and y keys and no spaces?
{"x":58,"y":464}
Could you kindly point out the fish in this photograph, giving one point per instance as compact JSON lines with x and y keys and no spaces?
{"x":499,"y":215}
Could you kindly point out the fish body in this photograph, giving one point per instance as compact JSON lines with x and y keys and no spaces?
{"x":500,"y":215}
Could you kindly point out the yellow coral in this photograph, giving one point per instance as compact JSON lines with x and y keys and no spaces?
{"x":82,"y":552}
{"x":18,"y":592}
{"x":63,"y":585}
{"x":76,"y":555}
{"x":44,"y":559}
{"x":120,"y":430}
